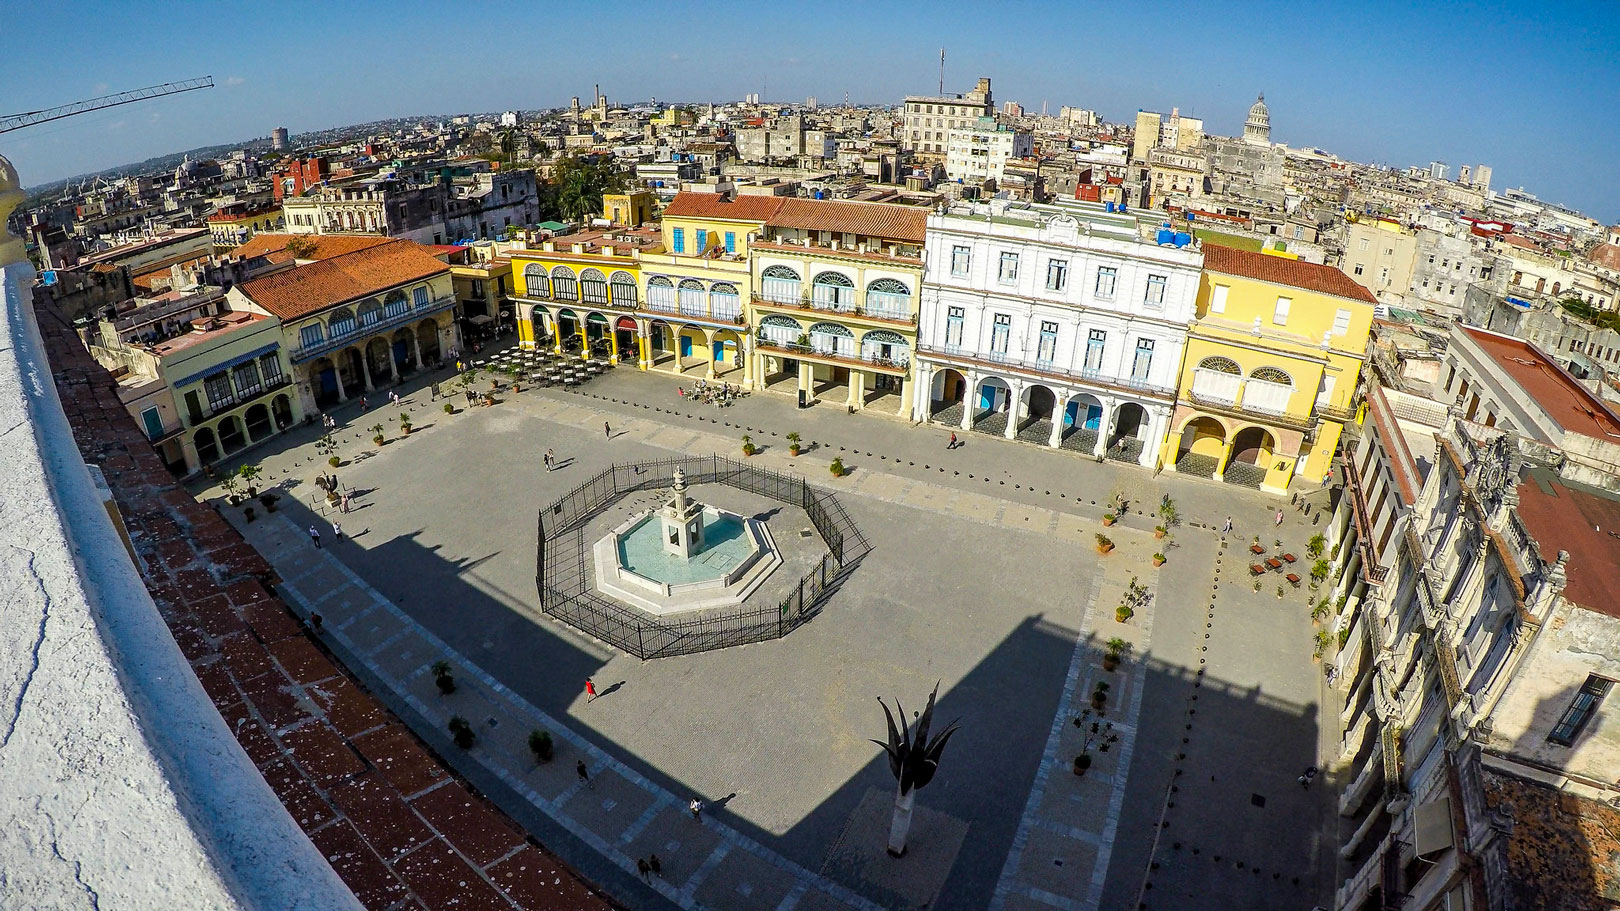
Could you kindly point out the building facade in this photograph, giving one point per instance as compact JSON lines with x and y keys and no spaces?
{"x":582,"y":294}
{"x":833,"y":314}
{"x":928,"y":120}
{"x":1271,"y":369}
{"x":978,"y":153}
{"x":1379,"y":255}
{"x":358,"y":321}
{"x":1054,"y":324}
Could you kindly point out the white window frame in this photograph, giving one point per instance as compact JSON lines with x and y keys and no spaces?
{"x":1279,"y":315}
{"x":1111,"y":274}
{"x":961,"y":260}
{"x":1005,"y":275}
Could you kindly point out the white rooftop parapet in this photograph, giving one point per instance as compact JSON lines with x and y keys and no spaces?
{"x":120,"y":785}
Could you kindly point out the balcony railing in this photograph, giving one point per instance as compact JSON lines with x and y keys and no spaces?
{"x":724,"y":314}
{"x":1050,"y":368}
{"x":388,"y":320}
{"x":240,"y":397}
{"x":865,"y":357}
{"x":885,"y":310}
{"x":613,"y":302}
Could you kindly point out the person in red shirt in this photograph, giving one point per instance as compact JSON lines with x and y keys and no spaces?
{"x":590,"y":690}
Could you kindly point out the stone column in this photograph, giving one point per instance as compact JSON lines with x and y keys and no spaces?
{"x":1058,"y":410}
{"x":644,"y":344}
{"x":807,"y":381}
{"x":416,"y":348}
{"x":1226,"y":457}
{"x":365,"y":369}
{"x":745,"y":353}
{"x":908,"y":392}
{"x":1150,"y":449}
{"x":613,"y":342}
{"x":584,"y":341}
{"x":1100,"y":448}
{"x":857,"y":389}
{"x":968,"y":395}
{"x":708,"y":352}
{"x":1015,"y":410}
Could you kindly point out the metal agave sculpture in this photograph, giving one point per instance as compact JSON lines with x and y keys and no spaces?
{"x":913,"y":760}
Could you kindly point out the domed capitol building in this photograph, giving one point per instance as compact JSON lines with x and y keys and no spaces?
{"x":1257,"y":129}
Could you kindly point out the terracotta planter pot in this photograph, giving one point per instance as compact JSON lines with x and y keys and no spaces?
{"x":1158,"y":533}
{"x":1104,"y":548}
{"x":1158,"y":561}
{"x":1107,"y":521}
{"x":1110,"y":663}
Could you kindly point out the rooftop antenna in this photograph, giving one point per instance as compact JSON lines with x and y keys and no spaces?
{"x":942,"y":72}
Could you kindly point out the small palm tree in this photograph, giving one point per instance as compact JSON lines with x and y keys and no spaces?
{"x":442,"y":677}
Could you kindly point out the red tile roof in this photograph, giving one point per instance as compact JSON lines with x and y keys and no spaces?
{"x":326,"y":245}
{"x":1586,"y":525}
{"x":869,"y":219}
{"x":1549,"y":385}
{"x":340,"y":279}
{"x":713,"y":205}
{"x":1283,"y":271}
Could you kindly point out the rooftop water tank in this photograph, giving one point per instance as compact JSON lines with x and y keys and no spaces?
{"x":1110,"y":207}
{"x":1183,"y":238}
{"x":1166,"y":236}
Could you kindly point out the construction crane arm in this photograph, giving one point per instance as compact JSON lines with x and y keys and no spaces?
{"x":30,"y":118}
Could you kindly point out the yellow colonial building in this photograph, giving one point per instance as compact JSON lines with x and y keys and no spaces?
{"x":581,"y":293}
{"x":697,"y":285}
{"x":834,"y":308}
{"x":1270,"y":372}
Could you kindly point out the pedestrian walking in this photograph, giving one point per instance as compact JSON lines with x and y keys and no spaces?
{"x":696,"y":807}
{"x":590,"y":691}
{"x":1304,"y":782}
{"x":551,"y":460}
{"x":364,"y":405}
{"x":607,"y":430}
{"x":337,"y":531}
{"x":643,"y":868}
{"x":1226,"y":529}
{"x":344,"y":503}
{"x":657,"y":868}
{"x":1279,"y":518}
{"x":458,"y":365}
{"x":584,"y":776}
{"x":435,"y":391}
{"x":315,"y":537}
{"x":952,"y":443}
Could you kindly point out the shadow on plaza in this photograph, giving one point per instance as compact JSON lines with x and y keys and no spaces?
{"x":1242,"y":744}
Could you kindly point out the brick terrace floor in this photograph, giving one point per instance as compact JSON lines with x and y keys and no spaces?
{"x":396,"y":825}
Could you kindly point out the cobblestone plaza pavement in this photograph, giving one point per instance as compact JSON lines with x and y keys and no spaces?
{"x":984,"y":577}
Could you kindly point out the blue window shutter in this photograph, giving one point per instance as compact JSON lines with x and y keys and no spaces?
{"x":731,"y":242}
{"x":678,"y":237}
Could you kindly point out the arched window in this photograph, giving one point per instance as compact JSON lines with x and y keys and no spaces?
{"x":780,"y":285}
{"x":885,"y":347}
{"x":661,"y":294}
{"x":623,"y":286}
{"x":341,"y":322}
{"x":831,"y":338}
{"x":1220,"y":365}
{"x":724,"y":302}
{"x":888,"y":298}
{"x":1272,"y":375}
{"x":593,"y":287}
{"x":370,"y":313}
{"x":780,"y":330}
{"x":691,"y":297}
{"x":833,"y":291}
{"x":395,"y":304}
{"x":564,"y":286}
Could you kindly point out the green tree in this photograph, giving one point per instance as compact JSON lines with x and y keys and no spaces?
{"x":577,"y":185}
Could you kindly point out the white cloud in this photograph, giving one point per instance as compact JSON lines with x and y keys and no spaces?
{"x":100,"y":88}
{"x":235,"y":80}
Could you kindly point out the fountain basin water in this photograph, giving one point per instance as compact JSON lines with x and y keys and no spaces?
{"x":737,"y":555}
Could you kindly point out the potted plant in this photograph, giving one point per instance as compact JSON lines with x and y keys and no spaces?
{"x":377,"y":434}
{"x":1159,"y":531}
{"x":1104,"y":543}
{"x":1096,"y":733}
{"x":1168,"y":514}
{"x":1081,"y":763}
{"x":1108,"y":519}
{"x":233,"y":494}
{"x":837,"y":467}
{"x":1279,"y":592}
{"x":540,"y":745}
{"x":462,"y":733}
{"x":1320,"y":610}
{"x":748,"y":445}
{"x":250,"y":476}
{"x":442,"y":678}
{"x":404,"y":424}
{"x":268,"y":500}
{"x":793,"y":443}
{"x":1257,"y":585}
{"x":1316,"y":545}
{"x":1319,"y":570}
{"x":449,"y":408}
{"x":1099,"y":695}
{"x":1123,"y":613}
{"x":1116,"y":650}
{"x":248,"y":514}
{"x":1323,"y":640}
{"x":1158,"y":559}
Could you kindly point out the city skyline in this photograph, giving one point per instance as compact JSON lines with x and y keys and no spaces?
{"x":1403,"y":100}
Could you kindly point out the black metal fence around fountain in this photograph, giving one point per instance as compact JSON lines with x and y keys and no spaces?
{"x":563,"y":568}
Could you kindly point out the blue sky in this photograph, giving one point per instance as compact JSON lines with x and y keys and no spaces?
{"x":1526,"y":88}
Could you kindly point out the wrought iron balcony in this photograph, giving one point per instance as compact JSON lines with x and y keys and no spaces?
{"x":389,"y":320}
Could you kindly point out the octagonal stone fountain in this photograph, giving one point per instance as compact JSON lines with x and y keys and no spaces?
{"x":684,"y":556}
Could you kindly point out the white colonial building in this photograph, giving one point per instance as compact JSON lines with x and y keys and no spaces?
{"x":1056,"y":324}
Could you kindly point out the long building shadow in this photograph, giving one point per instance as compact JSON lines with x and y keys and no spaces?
{"x":1206,"y":844}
